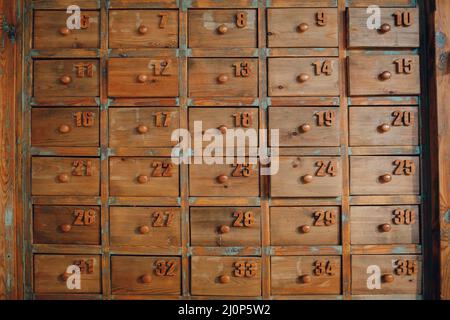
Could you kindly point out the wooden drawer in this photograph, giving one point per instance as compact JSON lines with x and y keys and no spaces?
{"x":146,"y":275}
{"x":384,"y":74}
{"x":298,"y":226}
{"x":138,"y":226}
{"x":143,"y":177}
{"x":223,"y":28}
{"x":226,"y":276}
{"x":306,"y":126}
{"x":143,"y":77}
{"x":306,"y":275}
{"x":303,"y":77}
{"x":52,"y":273}
{"x":226,"y":227}
{"x":399,"y":28}
{"x":66,"y":224}
{"x":302,"y":27}
{"x":307,"y":177}
{"x":378,"y":175}
{"x":224,"y":180}
{"x":65,"y":127}
{"x":143,"y":127}
{"x":51,"y":31}
{"x":223,"y":77}
{"x":387,"y":274}
{"x":385,"y":224}
{"x":384,"y":126}
{"x":224,"y":119}
{"x":66,"y":78}
{"x":143,"y":29}
{"x":55,"y":176}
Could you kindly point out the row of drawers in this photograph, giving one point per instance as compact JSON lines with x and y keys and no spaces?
{"x":230,"y":276}
{"x":236,"y":28}
{"x":226,"y":226}
{"x":369,"y":74}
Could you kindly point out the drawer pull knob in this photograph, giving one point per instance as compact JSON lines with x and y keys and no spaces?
{"x":142,"y":78}
{"x":222,"y":178}
{"x":224,"y":279}
{"x":65,"y":227}
{"x":64,"y":128}
{"x":142,"y":129}
{"x":223,"y":78}
{"x":385,"y":127}
{"x":222,"y":29}
{"x":388,"y":278}
{"x":143,"y":29}
{"x":386,"y":227}
{"x":144,"y":229}
{"x":64,"y":31}
{"x":305,"y":229}
{"x":65,"y":79}
{"x":386,"y":75}
{"x":142,"y":179}
{"x":385,"y":178}
{"x":302,"y":27}
{"x":63,"y":177}
{"x":307,"y":178}
{"x":303,"y":77}
{"x":305,"y":127}
{"x":385,"y":28}
{"x":305,"y":278}
{"x":223,"y":129}
{"x":224,"y":229}
{"x":146,"y":278}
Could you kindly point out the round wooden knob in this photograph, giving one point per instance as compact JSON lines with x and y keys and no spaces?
{"x":143,"y":29}
{"x":142,"y":179}
{"x":385,"y":178}
{"x":223,"y":78}
{"x":305,"y":278}
{"x":222,"y":178}
{"x":63,"y":177}
{"x":222,"y":29}
{"x":303,"y":78}
{"x":388,"y":278}
{"x":65,"y":79}
{"x":224,"y":229}
{"x":142,"y":129}
{"x":224,"y":279}
{"x":65,"y":227}
{"x":142,"y":78}
{"x":386,"y":75}
{"x":64,"y":128}
{"x":386,"y":227}
{"x":385,"y":27}
{"x":64,"y":31}
{"x":305,"y":127}
{"x":144,"y":229}
{"x":65,"y":276}
{"x":302,"y":27}
{"x":146,"y":278}
{"x":223,"y":129}
{"x":305,"y":229}
{"x":307,"y":178}
{"x":385,"y":127}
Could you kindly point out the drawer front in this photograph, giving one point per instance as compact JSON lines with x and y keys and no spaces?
{"x":224,"y":119}
{"x":377,"y":175}
{"x":306,"y":126}
{"x":146,"y":275}
{"x":307,"y":177}
{"x":297,"y":226}
{"x":303,"y":77}
{"x":143,"y":127}
{"x":223,"y":77}
{"x":66,"y":224}
{"x":224,"y":180}
{"x":65,"y":127}
{"x":138,"y":226}
{"x":384,"y":126}
{"x":56,"y":273}
{"x":54,"y":176}
{"x":302,"y":27}
{"x":143,"y":28}
{"x":226,"y":276}
{"x":143,"y":177}
{"x":51,"y":31}
{"x":306,"y":275}
{"x":384,"y":74}
{"x":387,"y":274}
{"x":143,"y":77}
{"x":222,"y":28}
{"x":399,"y":27}
{"x":385,"y":224}
{"x":226,"y":227}
{"x":66,"y":78}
